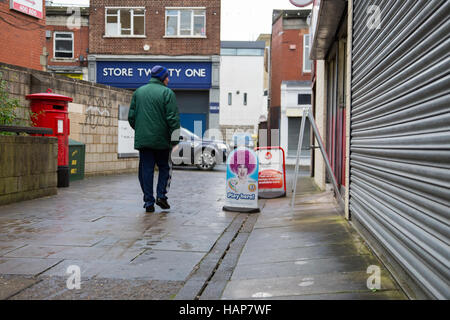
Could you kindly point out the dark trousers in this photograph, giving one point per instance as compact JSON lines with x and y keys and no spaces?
{"x":147,"y":160}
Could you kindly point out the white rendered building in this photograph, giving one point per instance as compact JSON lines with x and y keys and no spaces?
{"x":242,"y":100}
{"x":294,"y":95}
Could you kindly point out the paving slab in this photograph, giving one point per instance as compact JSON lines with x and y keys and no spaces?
{"x":26,"y":266}
{"x":11,"y":285}
{"x":350,"y":248}
{"x":285,"y":240}
{"x":326,"y":215}
{"x":88,"y":268}
{"x":7,"y":247}
{"x":113,"y":254}
{"x":308,"y":251}
{"x":70,"y":239}
{"x":188,"y":239}
{"x":303,"y":267}
{"x":156,"y":265}
{"x":35,"y":251}
{"x":373,"y":295}
{"x":54,"y":288}
{"x":303,"y":285}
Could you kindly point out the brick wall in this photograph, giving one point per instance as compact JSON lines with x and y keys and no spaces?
{"x":22,"y":38}
{"x":93,"y":114}
{"x":80,"y":45}
{"x":286,"y":63}
{"x":154,"y":29}
{"x":28,"y":167}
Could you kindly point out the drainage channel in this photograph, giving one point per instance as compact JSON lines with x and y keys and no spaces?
{"x":211,"y":275}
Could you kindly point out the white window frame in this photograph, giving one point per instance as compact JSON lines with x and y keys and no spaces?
{"x":54,"y":44}
{"x":118,"y":22}
{"x":178,"y":35}
{"x":306,"y":45}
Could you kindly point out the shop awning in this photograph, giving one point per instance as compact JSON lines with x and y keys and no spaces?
{"x":326,"y":16}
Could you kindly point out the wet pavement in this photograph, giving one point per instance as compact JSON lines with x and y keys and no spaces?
{"x":192,"y":251}
{"x":306,"y":252}
{"x":99,"y":225}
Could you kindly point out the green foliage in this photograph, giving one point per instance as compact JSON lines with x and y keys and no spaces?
{"x":8,"y":109}
{"x":8,"y":105}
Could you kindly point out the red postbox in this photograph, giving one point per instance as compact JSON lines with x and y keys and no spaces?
{"x":51,"y":111}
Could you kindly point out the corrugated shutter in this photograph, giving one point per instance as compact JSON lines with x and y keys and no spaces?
{"x":400,"y":135}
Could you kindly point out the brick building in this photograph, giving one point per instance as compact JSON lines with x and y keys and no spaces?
{"x":290,"y":79}
{"x":67,"y":31}
{"x":22,"y":33}
{"x":127,"y":38}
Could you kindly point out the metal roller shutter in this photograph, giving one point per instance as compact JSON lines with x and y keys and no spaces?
{"x":400,"y":135}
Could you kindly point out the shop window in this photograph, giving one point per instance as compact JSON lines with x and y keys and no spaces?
{"x":250,"y":52}
{"x":126,"y":22}
{"x":189,"y":22}
{"x":229,"y":99}
{"x":304,"y":98}
{"x":241,"y":52}
{"x":63,"y":45}
{"x":228,"y":52}
{"x":306,"y":61}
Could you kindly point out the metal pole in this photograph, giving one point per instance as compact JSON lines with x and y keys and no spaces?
{"x":324,"y":154}
{"x":299,"y":148}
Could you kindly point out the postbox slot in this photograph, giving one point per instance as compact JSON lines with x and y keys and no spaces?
{"x":58,"y":107}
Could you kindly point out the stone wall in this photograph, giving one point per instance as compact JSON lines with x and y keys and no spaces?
{"x":228,"y":131}
{"x":93,"y":114}
{"x":28,"y":167}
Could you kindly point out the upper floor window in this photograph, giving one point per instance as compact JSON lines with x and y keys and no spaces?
{"x":185,"y":22}
{"x":63,"y":45}
{"x":304,"y":98}
{"x":230,"y":99}
{"x":306,"y":61}
{"x":245,"y":98}
{"x":125,"y":22}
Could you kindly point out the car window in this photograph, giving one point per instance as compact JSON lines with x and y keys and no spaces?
{"x":188,"y":134}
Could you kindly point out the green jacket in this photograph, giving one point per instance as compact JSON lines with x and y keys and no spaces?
{"x":154,"y":116}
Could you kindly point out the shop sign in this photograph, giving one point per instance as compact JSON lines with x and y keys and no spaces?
{"x":32,"y":8}
{"x":272,"y":172}
{"x":242,"y":181}
{"x":132,"y":74}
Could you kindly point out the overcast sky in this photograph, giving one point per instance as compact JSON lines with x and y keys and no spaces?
{"x":241,"y":19}
{"x":246,"y":19}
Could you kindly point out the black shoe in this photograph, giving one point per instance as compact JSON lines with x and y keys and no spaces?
{"x":150,"y":208}
{"x":162,"y":203}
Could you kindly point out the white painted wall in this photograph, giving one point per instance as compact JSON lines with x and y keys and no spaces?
{"x":290,"y":108}
{"x":246,"y":75}
{"x":321,"y":122}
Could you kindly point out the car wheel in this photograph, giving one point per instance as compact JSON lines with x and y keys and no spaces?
{"x":205,"y":160}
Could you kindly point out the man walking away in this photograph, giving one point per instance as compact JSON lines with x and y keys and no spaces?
{"x":154,"y":117}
